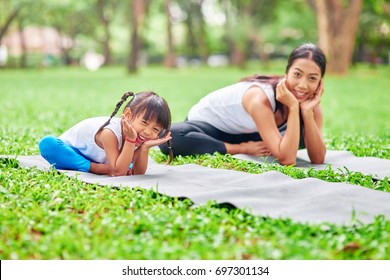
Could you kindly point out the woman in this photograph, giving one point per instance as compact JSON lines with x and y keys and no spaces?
{"x":261,"y":115}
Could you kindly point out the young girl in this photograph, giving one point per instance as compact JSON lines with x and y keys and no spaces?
{"x":117,"y":146}
{"x":261,"y":115}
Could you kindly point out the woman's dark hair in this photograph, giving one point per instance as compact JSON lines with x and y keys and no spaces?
{"x":151,"y":106}
{"x":311,"y":52}
{"x":308,"y":50}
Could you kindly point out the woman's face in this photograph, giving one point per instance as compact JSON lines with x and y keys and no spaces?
{"x":303,"y":78}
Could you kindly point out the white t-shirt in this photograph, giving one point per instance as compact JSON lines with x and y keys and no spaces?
{"x":82,"y":137}
{"x":223,"y":108}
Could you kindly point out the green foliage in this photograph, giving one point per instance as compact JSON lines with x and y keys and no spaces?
{"x":273,"y":26}
{"x":46,"y":215}
{"x":373,"y":32}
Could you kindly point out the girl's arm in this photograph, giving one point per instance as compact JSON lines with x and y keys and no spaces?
{"x":259,"y":108}
{"x":140,"y":163}
{"x":141,"y":154}
{"x":118,"y":161}
{"x":312,"y":118}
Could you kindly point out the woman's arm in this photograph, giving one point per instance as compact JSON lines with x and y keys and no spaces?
{"x":314,"y":143}
{"x":312,"y":119}
{"x":258,"y":106}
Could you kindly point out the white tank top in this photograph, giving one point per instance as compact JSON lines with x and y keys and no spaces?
{"x":82,"y":137}
{"x":223,"y":108}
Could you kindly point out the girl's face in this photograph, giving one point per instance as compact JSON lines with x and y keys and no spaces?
{"x":146,"y":129}
{"x":303,"y":78}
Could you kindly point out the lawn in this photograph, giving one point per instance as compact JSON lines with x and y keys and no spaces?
{"x":45,"y":215}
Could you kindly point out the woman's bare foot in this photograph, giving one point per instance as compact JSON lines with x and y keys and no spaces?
{"x":255,"y":148}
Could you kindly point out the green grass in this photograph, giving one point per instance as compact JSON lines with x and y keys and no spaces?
{"x":45,"y":215}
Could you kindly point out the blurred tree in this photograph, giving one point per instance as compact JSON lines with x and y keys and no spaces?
{"x":106,"y":10}
{"x":9,"y":11}
{"x":196,"y":34}
{"x":138,"y":12}
{"x":373,"y":36}
{"x":337,"y":25}
{"x":294,"y":23}
{"x":243,"y":17}
{"x":170,"y":56}
{"x":71,"y":19}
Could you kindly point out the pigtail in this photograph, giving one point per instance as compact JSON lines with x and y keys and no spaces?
{"x":117,"y":107}
{"x":169,"y":144}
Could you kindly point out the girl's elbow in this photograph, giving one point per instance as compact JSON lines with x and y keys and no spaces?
{"x":139,"y":172}
{"x":116,"y":173}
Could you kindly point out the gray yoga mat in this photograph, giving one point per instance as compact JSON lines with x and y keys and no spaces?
{"x":270,"y":194}
{"x":378,"y":168}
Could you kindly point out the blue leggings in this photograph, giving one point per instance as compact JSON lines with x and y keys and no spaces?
{"x":62,"y":156}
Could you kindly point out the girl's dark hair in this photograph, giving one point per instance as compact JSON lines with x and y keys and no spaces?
{"x":308,"y":50}
{"x":151,"y":106}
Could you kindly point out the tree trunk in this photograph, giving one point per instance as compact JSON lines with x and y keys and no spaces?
{"x":201,"y":31}
{"x":237,"y":56}
{"x":23,"y":47}
{"x":337,"y":25}
{"x":227,"y":30}
{"x":107,"y":36}
{"x":190,"y":36}
{"x":11,"y":17}
{"x":170,"y":56}
{"x":138,"y":14}
{"x":259,"y":46}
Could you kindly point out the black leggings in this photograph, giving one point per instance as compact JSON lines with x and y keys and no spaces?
{"x":194,"y":137}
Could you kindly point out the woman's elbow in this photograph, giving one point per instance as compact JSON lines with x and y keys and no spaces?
{"x":288,"y":161}
{"x":317,"y":158}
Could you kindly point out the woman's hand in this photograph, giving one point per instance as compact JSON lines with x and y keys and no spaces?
{"x":128,"y":130}
{"x":284,"y":96}
{"x":158,"y":141}
{"x":309,"y":104}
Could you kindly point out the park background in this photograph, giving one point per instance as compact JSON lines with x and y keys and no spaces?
{"x":182,"y":50}
{"x":134,"y":33}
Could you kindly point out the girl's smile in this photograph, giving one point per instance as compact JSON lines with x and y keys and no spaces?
{"x":140,"y":139}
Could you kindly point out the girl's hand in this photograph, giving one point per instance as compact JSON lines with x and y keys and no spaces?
{"x":158,"y":141}
{"x":128,"y":130}
{"x":284,"y":96}
{"x":311,"y":103}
